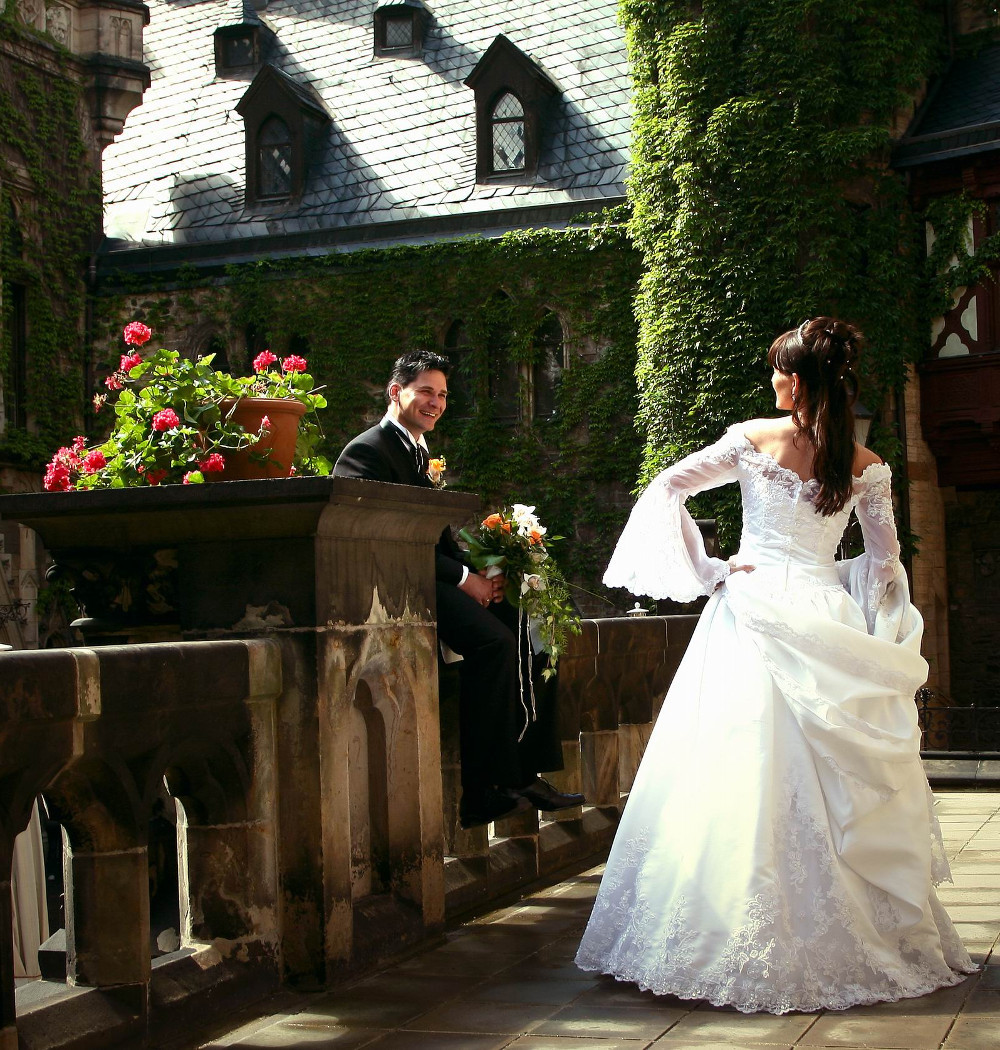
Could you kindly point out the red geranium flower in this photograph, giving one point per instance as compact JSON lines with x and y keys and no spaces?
{"x":113,"y":382}
{"x":166,"y":419}
{"x":263,"y":360}
{"x":129,"y":361}
{"x":94,"y":461}
{"x":154,"y":477}
{"x":216,"y":461}
{"x":265,"y":423}
{"x":136,"y":333}
{"x":294,"y":363}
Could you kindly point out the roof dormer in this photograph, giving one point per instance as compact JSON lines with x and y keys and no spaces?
{"x":242,"y":41}
{"x":399,"y":29}
{"x":285,"y":121}
{"x":513,"y":96}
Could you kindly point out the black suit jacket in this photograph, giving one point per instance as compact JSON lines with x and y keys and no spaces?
{"x":382,"y":453}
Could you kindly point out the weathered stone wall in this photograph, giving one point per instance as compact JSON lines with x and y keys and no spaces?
{"x":301,"y":735}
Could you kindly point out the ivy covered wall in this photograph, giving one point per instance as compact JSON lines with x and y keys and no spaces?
{"x":49,"y":224}
{"x":351,"y":315}
{"x":762,"y":196}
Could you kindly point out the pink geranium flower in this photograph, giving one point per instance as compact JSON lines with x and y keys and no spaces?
{"x":166,"y":420}
{"x":294,"y":363}
{"x":136,"y":333}
{"x":113,"y":382}
{"x":263,"y":361}
{"x":265,"y":423}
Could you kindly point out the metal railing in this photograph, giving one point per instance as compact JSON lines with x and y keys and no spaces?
{"x":960,"y":730}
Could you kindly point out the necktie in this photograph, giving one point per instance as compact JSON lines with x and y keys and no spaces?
{"x":422,"y":460}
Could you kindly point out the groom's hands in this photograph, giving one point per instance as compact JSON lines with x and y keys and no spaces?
{"x":479,"y":588}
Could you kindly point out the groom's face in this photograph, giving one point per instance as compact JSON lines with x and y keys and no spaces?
{"x":421,"y":403}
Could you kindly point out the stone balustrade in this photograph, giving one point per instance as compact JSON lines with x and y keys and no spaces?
{"x":264,"y":653}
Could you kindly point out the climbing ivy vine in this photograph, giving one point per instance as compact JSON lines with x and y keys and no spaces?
{"x":353,"y":314}
{"x":762,"y":196}
{"x":49,"y":214}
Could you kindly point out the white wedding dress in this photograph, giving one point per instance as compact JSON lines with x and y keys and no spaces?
{"x":778,"y":850}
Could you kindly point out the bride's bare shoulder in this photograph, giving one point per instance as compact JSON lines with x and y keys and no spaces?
{"x":763,"y":432}
{"x":864,"y":457}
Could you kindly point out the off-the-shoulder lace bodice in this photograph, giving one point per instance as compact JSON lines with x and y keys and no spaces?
{"x":661,"y":553}
{"x":779,"y":513}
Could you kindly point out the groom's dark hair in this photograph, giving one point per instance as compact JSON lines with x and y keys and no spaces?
{"x":412,"y":363}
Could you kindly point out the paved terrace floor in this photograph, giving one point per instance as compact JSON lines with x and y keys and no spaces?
{"x":507,"y":979}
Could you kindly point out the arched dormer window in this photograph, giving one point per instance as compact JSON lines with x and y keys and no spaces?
{"x":285,"y":121}
{"x":274,"y":159}
{"x":513,"y":97}
{"x":507,"y":133}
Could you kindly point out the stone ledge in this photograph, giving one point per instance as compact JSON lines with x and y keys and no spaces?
{"x":962,"y":770}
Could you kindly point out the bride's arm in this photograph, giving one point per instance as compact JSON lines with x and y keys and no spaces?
{"x":874,"y":573}
{"x":661,"y":552}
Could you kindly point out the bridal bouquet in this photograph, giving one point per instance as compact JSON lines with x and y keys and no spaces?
{"x":512,"y":542}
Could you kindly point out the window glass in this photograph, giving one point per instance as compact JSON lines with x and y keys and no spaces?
{"x":398,"y":30}
{"x":274,"y":158}
{"x":504,"y":373}
{"x":547,"y":370}
{"x":508,"y":134}
{"x":237,"y":51}
{"x":461,"y":379}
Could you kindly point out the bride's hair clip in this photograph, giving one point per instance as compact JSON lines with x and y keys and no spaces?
{"x":802,"y":327}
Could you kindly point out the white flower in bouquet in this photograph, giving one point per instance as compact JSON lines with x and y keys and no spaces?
{"x":532,"y":582}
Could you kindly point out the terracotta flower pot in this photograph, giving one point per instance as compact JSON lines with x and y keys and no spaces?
{"x":273,"y":454}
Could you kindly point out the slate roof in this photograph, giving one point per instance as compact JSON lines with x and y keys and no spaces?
{"x":961,"y":116}
{"x":401,"y":143}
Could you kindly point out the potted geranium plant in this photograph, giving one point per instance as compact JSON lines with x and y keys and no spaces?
{"x":182,"y":421}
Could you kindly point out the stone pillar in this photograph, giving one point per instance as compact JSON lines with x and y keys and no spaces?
{"x":927,"y":520}
{"x":107,"y":922}
{"x":8,"y":1018}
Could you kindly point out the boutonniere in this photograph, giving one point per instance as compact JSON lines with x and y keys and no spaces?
{"x":435,"y":472}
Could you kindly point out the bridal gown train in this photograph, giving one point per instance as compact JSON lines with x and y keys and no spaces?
{"x":778,"y":850}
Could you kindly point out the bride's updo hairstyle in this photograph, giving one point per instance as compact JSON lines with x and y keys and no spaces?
{"x":823,"y":353}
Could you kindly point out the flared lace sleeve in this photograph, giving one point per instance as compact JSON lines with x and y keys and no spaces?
{"x":874,"y":572}
{"x":661,"y":552}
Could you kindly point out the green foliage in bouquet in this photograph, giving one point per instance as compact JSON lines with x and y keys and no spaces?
{"x":512,"y":542}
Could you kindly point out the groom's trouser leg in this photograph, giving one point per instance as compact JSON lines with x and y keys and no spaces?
{"x":490,"y":716}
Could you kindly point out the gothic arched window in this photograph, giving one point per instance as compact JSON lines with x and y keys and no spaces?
{"x":507,"y":130}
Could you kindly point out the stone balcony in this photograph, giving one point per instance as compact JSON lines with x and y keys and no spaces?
{"x":262,"y":658}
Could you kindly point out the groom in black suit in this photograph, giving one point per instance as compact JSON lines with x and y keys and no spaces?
{"x":474,"y":620}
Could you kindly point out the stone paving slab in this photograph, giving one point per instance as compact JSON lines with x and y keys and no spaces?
{"x":506,"y":981}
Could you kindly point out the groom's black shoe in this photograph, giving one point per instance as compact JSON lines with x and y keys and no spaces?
{"x":486,"y":805}
{"x":542,"y":795}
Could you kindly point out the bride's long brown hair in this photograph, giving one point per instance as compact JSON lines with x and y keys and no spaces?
{"x":823,"y":353}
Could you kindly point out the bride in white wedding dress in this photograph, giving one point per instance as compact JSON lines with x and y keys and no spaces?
{"x":778,"y":850}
